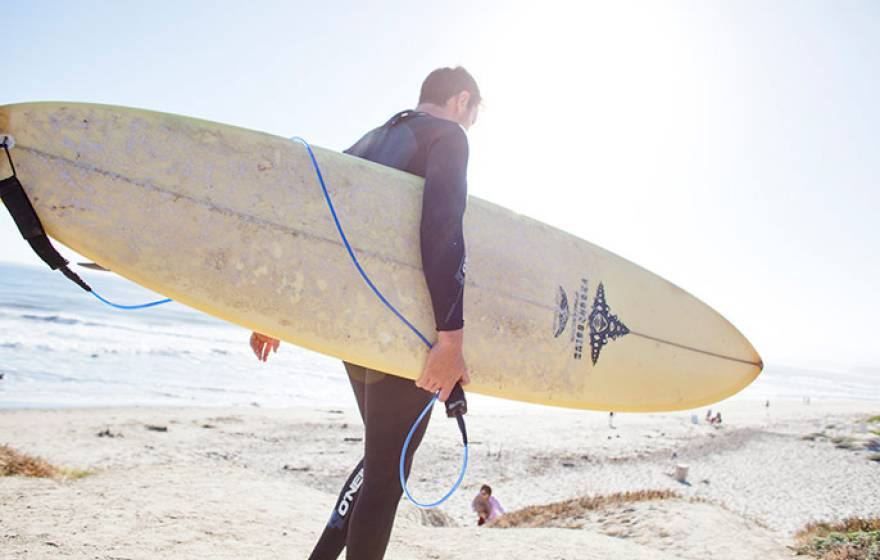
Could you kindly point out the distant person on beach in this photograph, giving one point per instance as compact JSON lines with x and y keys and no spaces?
{"x":482,"y":507}
{"x":429,"y":141}
{"x":486,"y":505}
{"x":611,"y":420}
{"x":709,"y":416}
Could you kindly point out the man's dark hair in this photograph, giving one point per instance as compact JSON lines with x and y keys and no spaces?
{"x":443,"y":83}
{"x":487,"y":488}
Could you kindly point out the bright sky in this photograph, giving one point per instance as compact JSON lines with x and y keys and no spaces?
{"x":731,"y":147}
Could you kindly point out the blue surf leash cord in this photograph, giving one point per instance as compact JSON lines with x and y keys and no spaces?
{"x":130,"y":307}
{"x":456,"y":406}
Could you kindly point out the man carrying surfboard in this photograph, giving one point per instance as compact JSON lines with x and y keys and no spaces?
{"x":429,"y":141}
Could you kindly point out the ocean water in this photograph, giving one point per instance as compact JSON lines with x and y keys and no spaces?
{"x":60,"y":347}
{"x":787,"y":382}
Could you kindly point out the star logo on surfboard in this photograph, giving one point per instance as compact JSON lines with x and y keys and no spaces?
{"x":603,"y":325}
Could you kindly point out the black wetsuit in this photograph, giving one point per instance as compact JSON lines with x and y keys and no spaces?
{"x":437,"y":150}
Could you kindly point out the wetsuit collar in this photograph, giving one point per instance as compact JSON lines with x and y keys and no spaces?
{"x":405,"y":114}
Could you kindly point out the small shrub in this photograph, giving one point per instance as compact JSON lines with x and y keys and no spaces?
{"x":15,"y":463}
{"x":852,"y":539}
{"x":563,"y":514}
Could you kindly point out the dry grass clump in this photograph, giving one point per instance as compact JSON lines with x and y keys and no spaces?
{"x":846,"y":526}
{"x":15,"y":463}
{"x":550,"y":514}
{"x":854,"y":538}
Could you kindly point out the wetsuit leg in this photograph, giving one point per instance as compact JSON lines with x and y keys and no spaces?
{"x":392,"y":405}
{"x":332,"y":540}
{"x":363,"y":516}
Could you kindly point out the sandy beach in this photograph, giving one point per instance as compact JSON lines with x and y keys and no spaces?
{"x":250,"y":482}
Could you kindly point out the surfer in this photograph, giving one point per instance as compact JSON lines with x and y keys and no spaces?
{"x":429,"y":141}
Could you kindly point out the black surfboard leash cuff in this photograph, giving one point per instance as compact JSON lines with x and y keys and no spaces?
{"x":29,"y":225}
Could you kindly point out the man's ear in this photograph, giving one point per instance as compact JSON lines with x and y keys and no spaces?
{"x":462,"y":101}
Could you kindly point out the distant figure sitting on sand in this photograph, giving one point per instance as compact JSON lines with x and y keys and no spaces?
{"x":709,"y":416}
{"x":716,"y":419}
{"x":486,"y":505}
{"x":482,"y":507}
{"x":611,"y":420}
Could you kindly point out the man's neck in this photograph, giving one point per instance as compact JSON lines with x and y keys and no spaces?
{"x":435,"y":111}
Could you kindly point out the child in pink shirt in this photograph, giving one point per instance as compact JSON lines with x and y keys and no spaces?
{"x":486,"y":506}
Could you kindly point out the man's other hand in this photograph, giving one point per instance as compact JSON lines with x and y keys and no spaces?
{"x":445,"y":365}
{"x":262,"y":344}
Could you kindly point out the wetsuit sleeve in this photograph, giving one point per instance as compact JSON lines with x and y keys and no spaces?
{"x":442,"y":239}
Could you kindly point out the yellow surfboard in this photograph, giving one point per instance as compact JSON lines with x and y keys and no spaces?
{"x":234,"y":223}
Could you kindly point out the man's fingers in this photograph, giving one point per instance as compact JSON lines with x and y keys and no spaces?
{"x":444,"y":393}
{"x":262,"y":345}
{"x":256,"y":345}
{"x":425,"y":385}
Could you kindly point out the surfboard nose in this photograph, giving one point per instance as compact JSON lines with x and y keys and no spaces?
{"x":756,"y":358}
{"x":750,"y":358}
{"x":750,"y":354}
